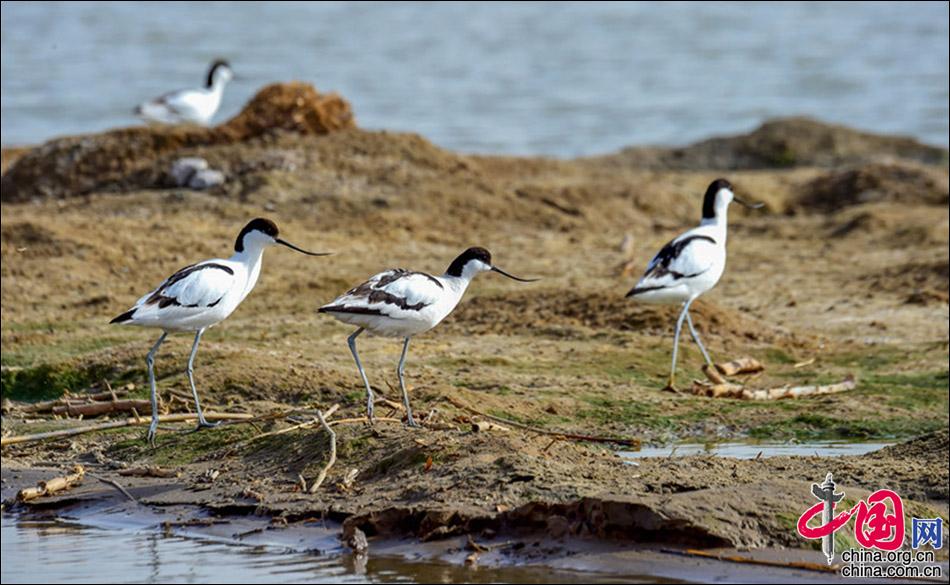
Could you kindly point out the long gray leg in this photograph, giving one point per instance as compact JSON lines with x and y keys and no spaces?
{"x":202,"y":423}
{"x":150,"y":361}
{"x":676,"y":343}
{"x":692,"y":331}
{"x":351,"y":341}
{"x":402,"y":384}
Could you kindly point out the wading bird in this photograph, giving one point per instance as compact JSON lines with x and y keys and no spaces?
{"x":200,"y":296}
{"x":691,"y":264}
{"x":402,"y":303}
{"x":190,"y":106}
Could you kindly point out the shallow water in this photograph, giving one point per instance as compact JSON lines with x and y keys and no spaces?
{"x":752,"y":450}
{"x":542,"y":78}
{"x":70,"y":553}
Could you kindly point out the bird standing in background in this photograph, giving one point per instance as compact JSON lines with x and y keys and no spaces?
{"x":200,"y":296}
{"x":402,"y":303}
{"x":190,"y":106}
{"x":691,"y":264}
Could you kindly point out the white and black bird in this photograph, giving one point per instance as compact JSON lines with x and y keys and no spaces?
{"x":403,"y":303}
{"x":190,"y":106}
{"x":691,"y":263}
{"x":200,"y":296}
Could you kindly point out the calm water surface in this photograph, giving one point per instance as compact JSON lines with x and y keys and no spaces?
{"x":752,"y":450}
{"x":69,"y":553}
{"x":558,"y":79}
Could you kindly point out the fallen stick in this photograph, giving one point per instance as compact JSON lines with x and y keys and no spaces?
{"x":800,"y":391}
{"x":713,"y":374}
{"x":50,"y":487}
{"x":807,"y":362}
{"x":577,"y":437}
{"x":96,"y":408}
{"x":302,"y":425}
{"x":390,"y":403}
{"x":717,"y":390}
{"x":481,"y":426}
{"x":478,"y":547}
{"x":740,"y":366}
{"x":741,"y":559}
{"x":116,"y":485}
{"x":785,"y":392}
{"x":48,"y":405}
{"x":165,"y":418}
{"x":323,"y":472}
{"x":363,"y":419}
{"x":148,"y":471}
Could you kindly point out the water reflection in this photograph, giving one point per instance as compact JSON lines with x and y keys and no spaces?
{"x":44,"y":551}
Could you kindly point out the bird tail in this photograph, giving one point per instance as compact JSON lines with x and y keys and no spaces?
{"x":639,"y":290}
{"x":124,"y":317}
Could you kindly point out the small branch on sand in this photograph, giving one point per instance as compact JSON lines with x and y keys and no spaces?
{"x":391,"y":404}
{"x":323,"y":472}
{"x":149,"y":471}
{"x":302,"y":425}
{"x":166,"y":418}
{"x":73,"y":408}
{"x":482,"y":426}
{"x":740,"y":366}
{"x":50,"y":487}
{"x":735,"y":391}
{"x":363,"y":419}
{"x":746,"y":560}
{"x":573,"y":436}
{"x":116,"y":485}
{"x":713,"y":374}
{"x":48,"y":405}
{"x":482,"y":548}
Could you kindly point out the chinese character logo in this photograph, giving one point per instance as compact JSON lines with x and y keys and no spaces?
{"x":926,"y":531}
{"x":877,"y":524}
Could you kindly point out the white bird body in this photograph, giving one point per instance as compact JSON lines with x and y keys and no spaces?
{"x":690,"y":264}
{"x":693,"y":264}
{"x":399,"y":302}
{"x":189,"y":106}
{"x":200,"y":296}
{"x":403,"y":303}
{"x":197,"y":106}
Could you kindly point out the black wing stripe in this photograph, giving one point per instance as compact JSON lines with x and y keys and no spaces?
{"x":669,"y":253}
{"x":357,"y":310}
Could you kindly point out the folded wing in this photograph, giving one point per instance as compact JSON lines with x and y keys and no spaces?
{"x":688,"y":256}
{"x":189,"y":291}
{"x":398,"y":294}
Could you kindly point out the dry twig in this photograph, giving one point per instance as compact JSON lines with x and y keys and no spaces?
{"x":49,"y":487}
{"x":323,"y":472}
{"x":574,"y":436}
{"x":166,"y":418}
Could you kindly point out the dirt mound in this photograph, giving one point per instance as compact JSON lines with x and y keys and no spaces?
{"x":921,"y":282}
{"x":930,"y":447}
{"x":900,"y":182}
{"x":35,"y":240}
{"x":553,"y":311}
{"x":784,"y":143}
{"x":296,"y":107}
{"x":76,"y":165}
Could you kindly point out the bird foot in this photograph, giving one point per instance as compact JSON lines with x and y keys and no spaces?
{"x":150,"y":435}
{"x":203,"y":424}
{"x":671,"y":388}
